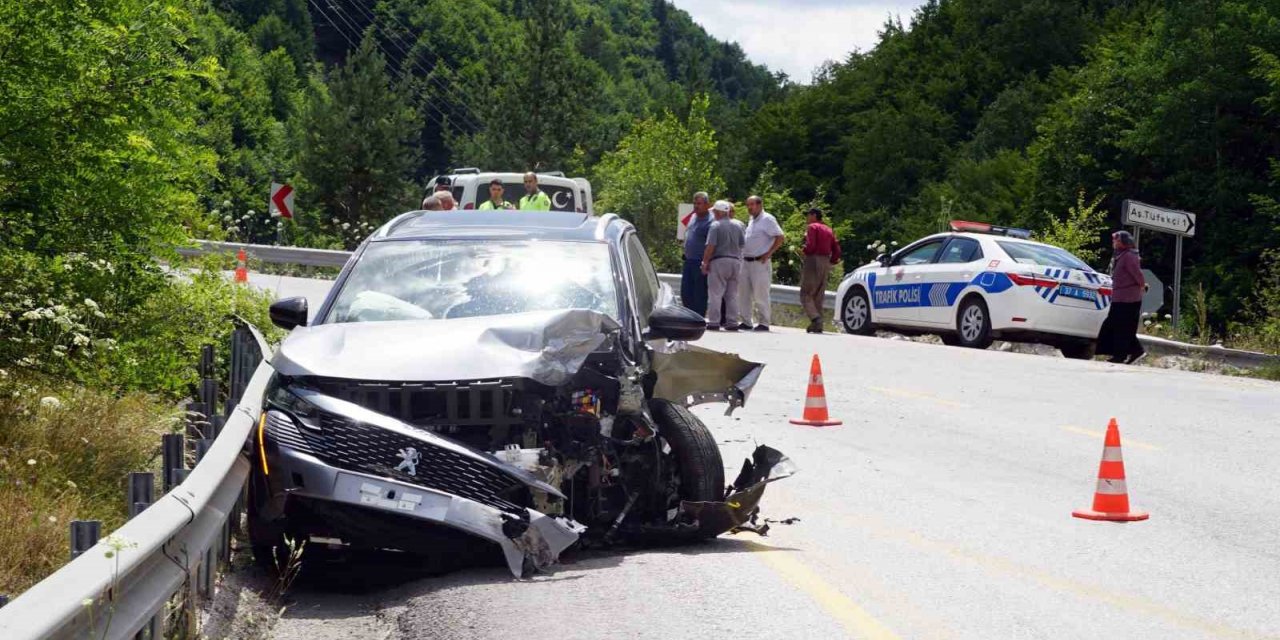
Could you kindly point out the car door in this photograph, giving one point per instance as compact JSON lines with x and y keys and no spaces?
{"x":959,"y":261}
{"x":895,"y":295}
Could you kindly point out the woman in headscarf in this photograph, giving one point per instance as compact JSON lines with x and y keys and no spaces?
{"x":1118,"y":336}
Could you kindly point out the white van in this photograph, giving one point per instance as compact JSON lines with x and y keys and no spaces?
{"x":470,"y":188}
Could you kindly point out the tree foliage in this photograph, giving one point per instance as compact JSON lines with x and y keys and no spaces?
{"x":661,"y":163}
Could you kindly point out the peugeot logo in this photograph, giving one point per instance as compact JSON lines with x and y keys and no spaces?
{"x":409,"y":461}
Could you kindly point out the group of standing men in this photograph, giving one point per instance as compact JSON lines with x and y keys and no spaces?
{"x":728,"y":266}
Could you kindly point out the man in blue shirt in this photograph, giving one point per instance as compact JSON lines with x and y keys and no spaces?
{"x":693,"y":283}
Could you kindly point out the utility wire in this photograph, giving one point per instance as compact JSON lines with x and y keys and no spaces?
{"x":420,"y":103}
{"x":404,"y":40}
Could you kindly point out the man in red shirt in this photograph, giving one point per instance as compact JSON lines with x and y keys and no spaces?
{"x":820,"y":252}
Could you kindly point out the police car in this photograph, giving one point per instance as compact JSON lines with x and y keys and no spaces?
{"x":977,"y":284}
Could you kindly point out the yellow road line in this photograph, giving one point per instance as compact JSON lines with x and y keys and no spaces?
{"x":1002,"y":566}
{"x":1128,"y":442}
{"x":903,"y":393}
{"x":854,"y":618}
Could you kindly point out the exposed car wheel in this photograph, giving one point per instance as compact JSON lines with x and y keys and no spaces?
{"x":973,"y":324}
{"x":269,"y":540}
{"x":855,"y":313}
{"x":1078,"y":350}
{"x":697,"y":457}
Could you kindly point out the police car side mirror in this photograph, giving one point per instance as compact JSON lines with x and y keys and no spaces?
{"x":883,"y":259}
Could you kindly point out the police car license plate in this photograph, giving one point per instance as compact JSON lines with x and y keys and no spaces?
{"x":1078,"y":293}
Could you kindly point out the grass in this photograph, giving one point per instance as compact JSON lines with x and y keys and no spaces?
{"x":64,"y":453}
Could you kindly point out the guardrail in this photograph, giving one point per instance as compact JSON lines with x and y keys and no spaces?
{"x":781,"y":294}
{"x":269,"y":253}
{"x":122,"y":586}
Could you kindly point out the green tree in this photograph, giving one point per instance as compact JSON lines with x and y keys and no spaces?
{"x":661,"y":163}
{"x":356,"y":156}
{"x":99,"y":166}
{"x":541,"y":109}
{"x":1080,"y":231}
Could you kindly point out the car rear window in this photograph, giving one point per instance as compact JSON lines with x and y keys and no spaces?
{"x":1042,"y":255}
{"x":561,"y":196}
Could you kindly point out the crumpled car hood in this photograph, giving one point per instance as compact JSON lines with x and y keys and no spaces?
{"x":545,"y":346}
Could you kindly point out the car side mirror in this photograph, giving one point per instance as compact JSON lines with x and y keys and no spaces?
{"x":883,"y":259}
{"x":289,"y":313}
{"x":675,"y":322}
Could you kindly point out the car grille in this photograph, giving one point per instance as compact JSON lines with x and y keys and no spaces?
{"x":355,"y":446}
{"x":426,"y":404}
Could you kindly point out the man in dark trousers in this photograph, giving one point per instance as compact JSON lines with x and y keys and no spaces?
{"x":1118,"y":336}
{"x":693,"y":282}
{"x":820,"y":252}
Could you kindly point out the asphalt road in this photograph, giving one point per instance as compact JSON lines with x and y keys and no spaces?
{"x":940,"y":509}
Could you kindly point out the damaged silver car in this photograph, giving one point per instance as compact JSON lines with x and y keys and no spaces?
{"x":518,"y":379}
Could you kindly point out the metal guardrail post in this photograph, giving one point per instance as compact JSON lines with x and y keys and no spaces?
{"x":209,"y":396}
{"x":84,"y":534}
{"x":202,"y":447}
{"x":233,"y":380}
{"x":206,"y":361}
{"x":142,"y":492}
{"x":216,"y":422}
{"x":172,"y":458}
{"x":4,"y":600}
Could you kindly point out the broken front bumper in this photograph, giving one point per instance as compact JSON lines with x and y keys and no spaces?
{"x":350,"y":456}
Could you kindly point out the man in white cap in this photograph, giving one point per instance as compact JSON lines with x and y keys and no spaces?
{"x":722,"y":262}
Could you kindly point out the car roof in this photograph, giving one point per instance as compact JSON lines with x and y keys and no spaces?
{"x":981,"y":236}
{"x":457,"y":223}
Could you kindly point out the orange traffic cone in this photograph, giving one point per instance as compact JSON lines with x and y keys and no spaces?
{"x":815,"y":400}
{"x":242,"y":271}
{"x":1111,"y":500}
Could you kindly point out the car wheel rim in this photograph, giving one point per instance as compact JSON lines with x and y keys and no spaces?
{"x":971,"y":324}
{"x":855,"y":313}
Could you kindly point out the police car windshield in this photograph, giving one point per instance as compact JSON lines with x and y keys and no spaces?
{"x":1042,"y":255}
{"x":436,"y":280}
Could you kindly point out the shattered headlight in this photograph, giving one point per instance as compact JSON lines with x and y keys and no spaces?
{"x":303,"y":412}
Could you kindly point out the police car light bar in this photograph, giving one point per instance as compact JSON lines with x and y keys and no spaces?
{"x":982,"y":227}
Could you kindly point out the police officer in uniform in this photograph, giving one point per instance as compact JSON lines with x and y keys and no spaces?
{"x":535,"y":199}
{"x":495,"y":201}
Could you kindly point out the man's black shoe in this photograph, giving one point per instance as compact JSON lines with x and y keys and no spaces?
{"x":713,"y":327}
{"x":744,"y":327}
{"x":761,"y":327}
{"x":732,"y":327}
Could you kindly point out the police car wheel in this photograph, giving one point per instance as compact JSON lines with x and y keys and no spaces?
{"x":973,"y":324}
{"x":855,"y":313}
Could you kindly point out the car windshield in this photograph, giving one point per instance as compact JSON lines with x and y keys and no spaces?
{"x":1042,"y":255}
{"x":433,"y":280}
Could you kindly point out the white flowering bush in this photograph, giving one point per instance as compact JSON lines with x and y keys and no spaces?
{"x":48,"y":320}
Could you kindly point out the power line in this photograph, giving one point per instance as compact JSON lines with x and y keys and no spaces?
{"x":399,"y":39}
{"x":420,"y":104}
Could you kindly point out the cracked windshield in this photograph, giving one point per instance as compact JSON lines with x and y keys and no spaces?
{"x":426,"y":280}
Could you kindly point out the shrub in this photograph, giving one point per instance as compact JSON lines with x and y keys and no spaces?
{"x":186,"y":314}
{"x":64,"y":453}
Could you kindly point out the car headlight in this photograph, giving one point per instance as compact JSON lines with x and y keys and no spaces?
{"x":305,"y":413}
